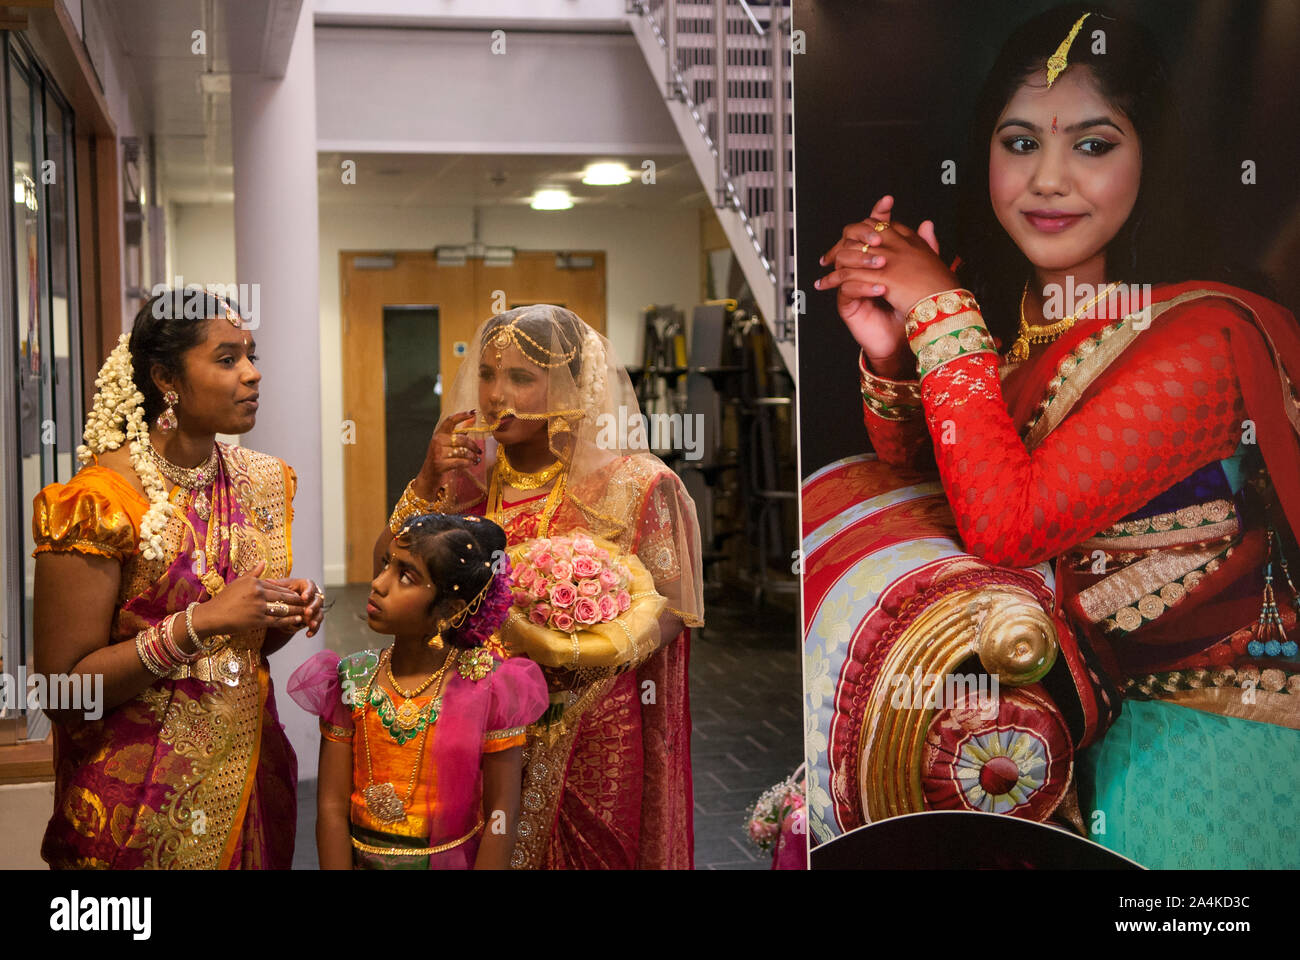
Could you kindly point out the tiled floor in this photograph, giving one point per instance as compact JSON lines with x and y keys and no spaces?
{"x":746,"y":717}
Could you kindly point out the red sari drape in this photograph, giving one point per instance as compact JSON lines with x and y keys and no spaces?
{"x":1093,"y":429}
{"x":615,"y":792}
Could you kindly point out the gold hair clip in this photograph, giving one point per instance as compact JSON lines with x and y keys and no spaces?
{"x":1058,"y":61}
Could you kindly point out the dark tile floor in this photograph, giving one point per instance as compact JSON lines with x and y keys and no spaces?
{"x":746,"y":716}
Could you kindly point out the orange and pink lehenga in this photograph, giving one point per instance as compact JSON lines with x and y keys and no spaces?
{"x":195,"y":772}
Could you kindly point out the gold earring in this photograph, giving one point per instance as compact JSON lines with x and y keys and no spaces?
{"x":167,"y":419}
{"x":437,"y":643}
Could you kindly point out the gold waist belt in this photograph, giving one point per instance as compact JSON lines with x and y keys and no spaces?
{"x":417,"y":851}
{"x":225,"y":666}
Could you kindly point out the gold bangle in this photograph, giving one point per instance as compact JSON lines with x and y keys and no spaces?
{"x":416,"y":851}
{"x":412,"y":505}
{"x":889,"y":399}
{"x":926,"y":309}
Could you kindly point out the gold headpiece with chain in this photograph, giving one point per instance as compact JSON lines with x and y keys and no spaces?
{"x":510,"y":333}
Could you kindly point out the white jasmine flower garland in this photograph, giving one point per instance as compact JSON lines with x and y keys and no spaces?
{"x":591,"y":382}
{"x":116,"y":416}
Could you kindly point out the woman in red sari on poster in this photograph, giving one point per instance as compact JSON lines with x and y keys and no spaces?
{"x":550,"y":443}
{"x":1087,"y":400}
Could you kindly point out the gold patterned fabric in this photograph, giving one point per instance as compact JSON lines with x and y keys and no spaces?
{"x":98,"y":512}
{"x":194,"y":772}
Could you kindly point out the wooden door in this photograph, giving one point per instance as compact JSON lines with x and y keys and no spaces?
{"x":464,"y":296}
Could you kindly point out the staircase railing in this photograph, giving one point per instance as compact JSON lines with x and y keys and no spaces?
{"x":724,"y":66}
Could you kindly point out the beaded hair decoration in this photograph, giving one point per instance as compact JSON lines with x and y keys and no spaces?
{"x":477,"y":620}
{"x":1058,"y":61}
{"x":510,"y":334}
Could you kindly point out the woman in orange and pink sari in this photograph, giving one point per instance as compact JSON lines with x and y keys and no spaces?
{"x":551,"y":444}
{"x":163,"y":567}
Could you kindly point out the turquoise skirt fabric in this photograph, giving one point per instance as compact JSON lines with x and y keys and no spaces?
{"x":1174,"y":788}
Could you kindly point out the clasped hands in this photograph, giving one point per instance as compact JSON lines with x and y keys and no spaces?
{"x":880,"y":273}
{"x":284,"y":604}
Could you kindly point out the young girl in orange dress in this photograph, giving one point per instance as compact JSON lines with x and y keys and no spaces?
{"x":422,"y":741}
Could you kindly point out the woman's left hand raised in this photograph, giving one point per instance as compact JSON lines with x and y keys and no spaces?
{"x":901,"y":265}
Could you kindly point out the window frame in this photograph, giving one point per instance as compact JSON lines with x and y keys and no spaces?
{"x":21,"y":724}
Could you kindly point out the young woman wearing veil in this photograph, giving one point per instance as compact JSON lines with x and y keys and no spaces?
{"x":1148,"y":446}
{"x":544,"y":448}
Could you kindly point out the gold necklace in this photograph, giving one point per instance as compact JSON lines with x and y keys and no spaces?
{"x":408,"y":714}
{"x":496,"y":507}
{"x":526,"y":481}
{"x":1045,"y":333}
{"x":191,"y":478}
{"x":203,"y":562}
{"x":381,"y":798}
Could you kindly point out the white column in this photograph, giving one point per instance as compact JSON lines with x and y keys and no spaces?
{"x":273,"y":125}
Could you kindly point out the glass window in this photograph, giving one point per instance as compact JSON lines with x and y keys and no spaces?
{"x":41,"y":421}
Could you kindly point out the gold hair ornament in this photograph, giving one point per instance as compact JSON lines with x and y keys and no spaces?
{"x":510,"y":334}
{"x":1058,"y":61}
{"x":461,"y":615}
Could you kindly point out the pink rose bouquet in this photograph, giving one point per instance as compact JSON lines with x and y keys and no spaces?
{"x":779,"y":815}
{"x":568,"y":583}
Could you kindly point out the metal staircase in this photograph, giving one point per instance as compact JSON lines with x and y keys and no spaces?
{"x":728,"y":91}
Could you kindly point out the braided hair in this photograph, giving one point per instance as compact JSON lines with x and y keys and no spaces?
{"x":465,"y":557}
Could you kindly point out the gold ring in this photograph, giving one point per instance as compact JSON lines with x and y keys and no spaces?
{"x":866,"y":248}
{"x":277,"y":608}
{"x":881,"y":226}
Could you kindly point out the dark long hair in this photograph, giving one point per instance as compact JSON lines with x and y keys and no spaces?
{"x":1154,"y":245}
{"x":461,"y":555}
{"x":163,"y":330}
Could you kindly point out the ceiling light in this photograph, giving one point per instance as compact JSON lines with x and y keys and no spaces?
{"x":606,"y":175}
{"x":550,"y":199}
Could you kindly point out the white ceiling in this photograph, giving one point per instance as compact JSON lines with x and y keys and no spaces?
{"x":192,"y":128}
{"x":441,"y":180}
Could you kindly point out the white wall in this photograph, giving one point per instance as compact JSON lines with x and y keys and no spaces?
{"x":203,"y":243}
{"x":650,"y":257}
{"x":24,"y":812}
{"x":445,"y":91}
{"x":566,"y":14}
